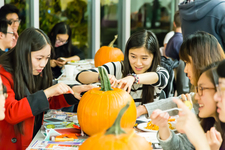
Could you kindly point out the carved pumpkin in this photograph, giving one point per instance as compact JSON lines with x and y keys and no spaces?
{"x":99,"y":107}
{"x":108,"y":54}
{"x":116,"y":138}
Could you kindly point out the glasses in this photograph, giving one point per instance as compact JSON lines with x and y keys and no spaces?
{"x":15,"y":21}
{"x":200,"y":89}
{"x":58,"y":40}
{"x":220,"y":90}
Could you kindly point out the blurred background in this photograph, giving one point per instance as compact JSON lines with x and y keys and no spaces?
{"x":94,"y":23}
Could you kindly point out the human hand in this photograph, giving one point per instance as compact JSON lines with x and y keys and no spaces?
{"x":126,"y":83}
{"x":214,"y":138}
{"x":141,"y":110}
{"x":81,"y":88}
{"x":61,"y":61}
{"x":58,"y":89}
{"x":113,"y":80}
{"x":160,"y":118}
{"x":52,"y":63}
{"x":15,"y":38}
{"x":188,"y":123}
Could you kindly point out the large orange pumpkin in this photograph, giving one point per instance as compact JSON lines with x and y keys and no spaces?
{"x":99,"y":107}
{"x":108,"y":54}
{"x":116,"y":138}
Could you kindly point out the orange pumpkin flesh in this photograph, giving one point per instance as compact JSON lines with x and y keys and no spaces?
{"x":98,"y":108}
{"x":116,"y":138}
{"x":108,"y":54}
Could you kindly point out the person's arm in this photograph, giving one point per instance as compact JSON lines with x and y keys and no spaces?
{"x":75,"y":58}
{"x":175,"y":142}
{"x":19,"y":110}
{"x":163,"y":104}
{"x":87,"y":77}
{"x":91,"y":76}
{"x":160,"y":119}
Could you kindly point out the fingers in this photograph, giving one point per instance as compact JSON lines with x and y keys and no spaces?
{"x":183,"y":97}
{"x":214,"y":137}
{"x":181,"y":105}
{"x":113,"y":80}
{"x":189,"y":98}
{"x":160,"y":119}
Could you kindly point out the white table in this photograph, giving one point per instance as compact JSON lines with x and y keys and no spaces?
{"x":150,"y":136}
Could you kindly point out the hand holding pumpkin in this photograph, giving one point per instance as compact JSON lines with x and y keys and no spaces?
{"x":126,"y":83}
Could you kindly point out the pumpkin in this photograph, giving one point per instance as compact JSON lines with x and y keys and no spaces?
{"x":108,"y":54}
{"x":99,"y":107}
{"x":116,"y":138}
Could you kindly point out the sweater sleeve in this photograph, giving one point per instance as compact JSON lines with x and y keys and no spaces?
{"x":176,"y":142}
{"x":168,"y":103}
{"x":163,"y":77}
{"x":19,"y":110}
{"x":162,"y":104}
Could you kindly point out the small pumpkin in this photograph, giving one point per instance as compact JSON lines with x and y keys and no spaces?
{"x":99,"y":107}
{"x":116,"y":138}
{"x":108,"y":54}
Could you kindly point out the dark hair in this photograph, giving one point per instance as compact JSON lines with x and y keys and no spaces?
{"x":176,"y":19}
{"x":61,"y":28}
{"x":18,"y":62}
{"x":220,"y":69}
{"x":8,"y":9}
{"x":147,"y":39}
{"x":209,"y":122}
{"x":4,"y":25}
{"x":204,"y":50}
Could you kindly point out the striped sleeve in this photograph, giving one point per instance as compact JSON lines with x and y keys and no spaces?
{"x":113,"y":68}
{"x":163,"y":77}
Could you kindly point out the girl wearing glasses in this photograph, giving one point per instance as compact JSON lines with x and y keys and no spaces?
{"x":198,"y":51}
{"x":209,"y":120}
{"x":64,"y":51}
{"x":26,"y":73}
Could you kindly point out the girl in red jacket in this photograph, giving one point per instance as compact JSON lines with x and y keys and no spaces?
{"x":25,"y":71}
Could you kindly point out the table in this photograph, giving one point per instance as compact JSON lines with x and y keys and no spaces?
{"x":150,"y":136}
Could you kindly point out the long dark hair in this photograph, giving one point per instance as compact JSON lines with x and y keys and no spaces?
{"x":61,"y":28}
{"x":147,"y":39}
{"x":204,"y":49}
{"x":18,"y":62}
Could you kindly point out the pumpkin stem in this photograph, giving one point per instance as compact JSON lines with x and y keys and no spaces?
{"x":111,"y":43}
{"x":105,"y":83}
{"x":116,"y":128}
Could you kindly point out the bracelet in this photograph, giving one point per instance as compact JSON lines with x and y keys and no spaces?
{"x":137,"y":80}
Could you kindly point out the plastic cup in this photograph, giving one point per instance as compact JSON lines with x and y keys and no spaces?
{"x":69,"y":70}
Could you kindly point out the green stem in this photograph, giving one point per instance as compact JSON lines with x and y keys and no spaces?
{"x":105,"y":83}
{"x":111,"y":43}
{"x":116,"y":128}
